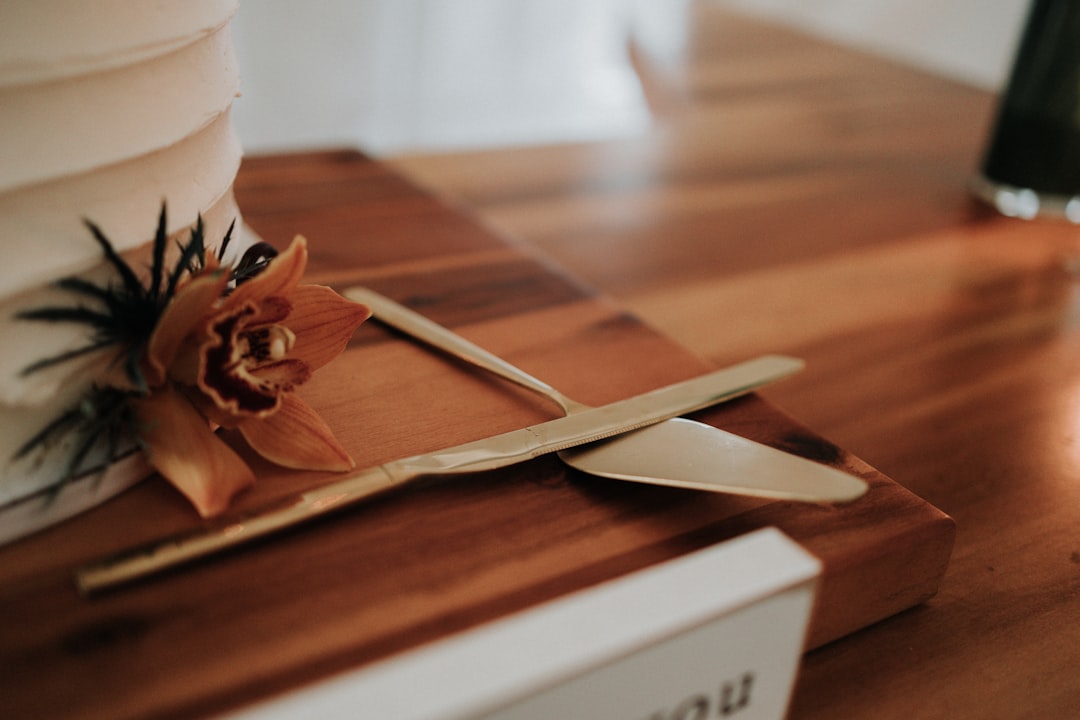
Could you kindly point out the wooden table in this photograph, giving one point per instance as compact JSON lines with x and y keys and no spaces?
{"x":799,"y":197}
{"x":793,"y":197}
{"x":442,"y":555}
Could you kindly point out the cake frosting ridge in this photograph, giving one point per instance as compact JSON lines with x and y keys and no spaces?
{"x":41,"y":41}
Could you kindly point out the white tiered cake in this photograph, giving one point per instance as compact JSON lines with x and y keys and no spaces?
{"x":107,"y":110}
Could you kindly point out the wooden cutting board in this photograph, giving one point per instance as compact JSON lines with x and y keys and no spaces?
{"x":444,"y":554}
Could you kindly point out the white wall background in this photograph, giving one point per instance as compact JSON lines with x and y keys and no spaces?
{"x":969,"y":40}
{"x":405,"y":75}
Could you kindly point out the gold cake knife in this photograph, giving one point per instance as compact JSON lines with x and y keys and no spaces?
{"x":484,"y":454}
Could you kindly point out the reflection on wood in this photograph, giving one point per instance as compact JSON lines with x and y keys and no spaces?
{"x":812,"y":200}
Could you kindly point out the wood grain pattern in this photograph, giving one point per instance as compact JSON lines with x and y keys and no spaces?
{"x":801,"y":197}
{"x":445,"y":554}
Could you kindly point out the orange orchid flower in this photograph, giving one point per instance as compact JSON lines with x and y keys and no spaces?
{"x":233,"y":359}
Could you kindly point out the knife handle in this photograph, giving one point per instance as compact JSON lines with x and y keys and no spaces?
{"x":421,"y":328}
{"x":164,"y":553}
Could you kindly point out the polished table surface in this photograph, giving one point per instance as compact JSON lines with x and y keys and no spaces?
{"x":799,"y":197}
{"x":443,"y":555}
{"x":793,"y":197}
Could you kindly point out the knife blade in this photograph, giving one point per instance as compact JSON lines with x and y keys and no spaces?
{"x":693,"y":455}
{"x":484,"y":454}
{"x":677,"y":452}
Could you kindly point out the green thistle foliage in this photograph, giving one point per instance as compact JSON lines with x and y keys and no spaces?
{"x":103,"y":416}
{"x":121,"y":314}
{"x":128,"y":310}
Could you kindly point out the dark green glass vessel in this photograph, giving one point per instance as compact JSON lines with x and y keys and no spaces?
{"x":1032,"y":163}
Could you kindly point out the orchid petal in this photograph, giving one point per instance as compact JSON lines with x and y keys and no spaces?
{"x":323,"y":323}
{"x":188,"y":308}
{"x":280,"y":277}
{"x":296,"y":437}
{"x":191,"y":457}
{"x":206,"y":407}
{"x":255,"y":391}
{"x":271,"y":310}
{"x":281,"y":375}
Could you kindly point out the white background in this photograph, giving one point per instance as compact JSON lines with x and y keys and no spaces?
{"x":395,"y":76}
